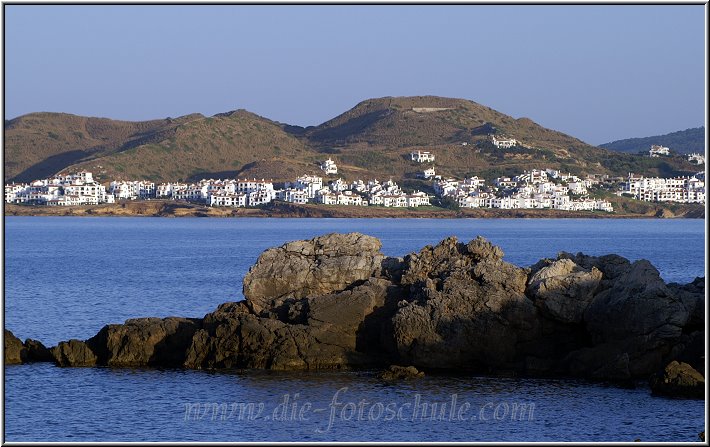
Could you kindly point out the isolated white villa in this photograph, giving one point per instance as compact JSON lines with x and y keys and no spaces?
{"x":657,"y":151}
{"x":696,"y":158}
{"x":503,"y":143}
{"x":329,"y":167}
{"x":422,"y":156}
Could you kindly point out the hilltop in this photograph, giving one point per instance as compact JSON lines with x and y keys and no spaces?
{"x":373,"y":139}
{"x":686,"y":141}
{"x":41,"y":144}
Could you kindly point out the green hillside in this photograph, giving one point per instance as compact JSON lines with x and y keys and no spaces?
{"x":683,"y":142}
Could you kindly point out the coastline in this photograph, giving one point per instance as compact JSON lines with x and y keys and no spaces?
{"x":168,"y":208}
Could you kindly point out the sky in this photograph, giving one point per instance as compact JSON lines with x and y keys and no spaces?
{"x":597,"y":72}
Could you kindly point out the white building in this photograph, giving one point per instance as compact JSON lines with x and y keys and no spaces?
{"x":347,"y":198}
{"x":61,"y":190}
{"x":657,"y":151}
{"x":223,"y":198}
{"x":505,"y":182}
{"x":656,"y":189}
{"x":428,"y":173}
{"x":422,"y":156}
{"x":292,"y":195}
{"x":578,"y":188}
{"x":311,"y":184}
{"x":697,"y":159}
{"x":338,"y":185}
{"x":504,"y":143}
{"x":532,"y":177}
{"x":329,"y":167}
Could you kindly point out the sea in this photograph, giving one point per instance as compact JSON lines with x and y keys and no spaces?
{"x":66,"y":277}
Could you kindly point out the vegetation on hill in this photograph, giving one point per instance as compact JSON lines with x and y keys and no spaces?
{"x":372,"y":140}
{"x":217,"y":147}
{"x":40,"y":144}
{"x":683,"y":142}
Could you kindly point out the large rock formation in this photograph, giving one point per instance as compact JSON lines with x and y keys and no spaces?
{"x":337,"y":302}
{"x":466,"y":308}
{"x":333,"y":331}
{"x":319,"y":266}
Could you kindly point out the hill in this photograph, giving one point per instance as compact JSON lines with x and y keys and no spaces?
{"x":683,"y":142}
{"x":373,"y":139}
{"x":40,"y":144}
{"x":378,"y":134}
{"x":209,"y":147}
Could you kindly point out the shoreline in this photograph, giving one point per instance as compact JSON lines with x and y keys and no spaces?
{"x":169,"y":208}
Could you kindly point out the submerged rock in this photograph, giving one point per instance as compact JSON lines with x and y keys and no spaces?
{"x":395,"y":372}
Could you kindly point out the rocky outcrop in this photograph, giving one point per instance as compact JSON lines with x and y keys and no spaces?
{"x":466,"y":308}
{"x":137,"y":342}
{"x":395,"y":372}
{"x":337,"y":302}
{"x":74,"y":353}
{"x":333,"y":331}
{"x":322,"y":265}
{"x":678,"y":379}
{"x":13,"y":349}
{"x":563,"y":289}
{"x":17,"y":352}
{"x":37,"y":352}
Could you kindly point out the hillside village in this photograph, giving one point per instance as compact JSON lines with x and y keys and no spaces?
{"x":531,"y":189}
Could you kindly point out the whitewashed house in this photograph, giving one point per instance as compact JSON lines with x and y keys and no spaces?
{"x":657,"y":151}
{"x":292,"y":195}
{"x":311,"y":184}
{"x":698,"y":159}
{"x":422,"y":156}
{"x":224,"y":198}
{"x":504,"y":143}
{"x":329,"y":167}
{"x":338,"y":185}
{"x":428,"y":173}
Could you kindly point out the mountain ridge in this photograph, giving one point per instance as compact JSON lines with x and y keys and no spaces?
{"x":372,"y":139}
{"x":682,"y":141}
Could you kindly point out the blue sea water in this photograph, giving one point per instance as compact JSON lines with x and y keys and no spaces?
{"x":66,"y":277}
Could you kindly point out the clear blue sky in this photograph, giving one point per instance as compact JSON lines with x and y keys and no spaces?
{"x":597,"y":72}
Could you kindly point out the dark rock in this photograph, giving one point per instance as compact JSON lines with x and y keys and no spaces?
{"x":691,"y":350}
{"x":467,"y":307}
{"x":638,"y":315}
{"x":336,"y":302}
{"x":74,"y":353}
{"x":563,"y":290}
{"x":14,"y":351}
{"x":319,"y":266}
{"x":678,"y":380}
{"x":144,"y":341}
{"x":332,"y":330}
{"x":37,"y":352}
{"x":693,"y":297}
{"x":395,"y":372}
